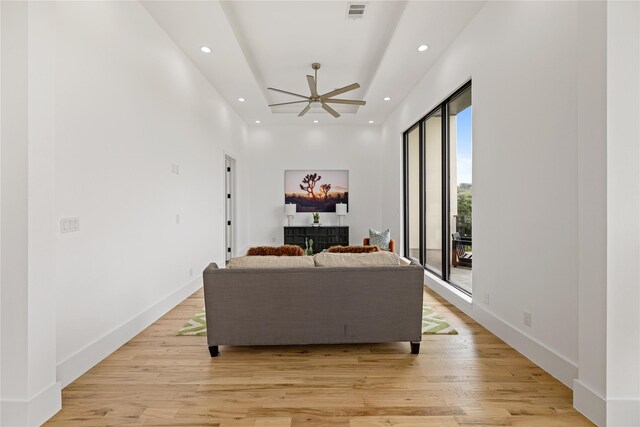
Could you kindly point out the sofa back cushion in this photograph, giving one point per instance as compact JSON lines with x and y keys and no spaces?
{"x":374,"y":259}
{"x":284,"y":250}
{"x":271,"y":261}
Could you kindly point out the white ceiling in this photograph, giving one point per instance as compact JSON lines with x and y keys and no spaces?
{"x":257,"y":44}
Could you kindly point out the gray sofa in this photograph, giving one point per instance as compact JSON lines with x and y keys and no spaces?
{"x":322,"y":305}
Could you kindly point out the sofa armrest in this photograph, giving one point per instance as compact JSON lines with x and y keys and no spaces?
{"x":415,"y":262}
{"x":211,"y":268}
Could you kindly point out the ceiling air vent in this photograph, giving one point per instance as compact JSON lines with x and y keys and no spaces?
{"x":355,"y":10}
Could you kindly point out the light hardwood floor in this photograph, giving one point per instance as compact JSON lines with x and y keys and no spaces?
{"x":472,"y":379}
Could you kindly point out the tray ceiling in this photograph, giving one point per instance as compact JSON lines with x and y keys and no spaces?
{"x":256,"y":44}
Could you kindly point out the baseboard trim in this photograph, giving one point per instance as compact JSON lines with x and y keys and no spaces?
{"x":591,"y":404}
{"x":555,"y":364}
{"x":77,"y":364}
{"x":623,"y":412}
{"x":33,"y":412}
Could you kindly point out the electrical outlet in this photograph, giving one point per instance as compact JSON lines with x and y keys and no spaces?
{"x":175,"y":169}
{"x":69,"y":225}
{"x":526,"y":318}
{"x":273,"y":240}
{"x":486,"y":300}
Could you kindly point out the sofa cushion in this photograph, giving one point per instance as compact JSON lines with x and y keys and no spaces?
{"x":374,"y":259}
{"x":353,"y":249}
{"x":284,"y":250}
{"x":270,"y":261}
{"x":380,"y":238}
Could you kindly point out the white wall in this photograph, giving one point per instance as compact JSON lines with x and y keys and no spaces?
{"x":14,"y":205}
{"x":623,"y":220}
{"x":30,"y":392}
{"x":274,"y":149}
{"x":522,"y":59}
{"x":589,"y":389}
{"x":129,"y":104}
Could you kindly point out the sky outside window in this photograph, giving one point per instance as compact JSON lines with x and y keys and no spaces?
{"x":464,"y":149}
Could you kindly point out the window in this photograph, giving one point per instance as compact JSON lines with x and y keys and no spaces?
{"x":438,"y":190}
{"x":433,"y":192}
{"x":414,"y":201}
{"x":460,"y":184}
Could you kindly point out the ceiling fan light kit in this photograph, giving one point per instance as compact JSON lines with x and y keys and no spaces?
{"x":319,"y":101}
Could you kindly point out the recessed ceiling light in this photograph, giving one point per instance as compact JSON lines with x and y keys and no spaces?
{"x":241,"y":99}
{"x":258,"y":121}
{"x":315,"y":121}
{"x":386,"y":98}
{"x":205,"y":49}
{"x":422,"y":48}
{"x":370,"y":121}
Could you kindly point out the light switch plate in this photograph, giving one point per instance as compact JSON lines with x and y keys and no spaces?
{"x":69,"y":225}
{"x":486,"y":299}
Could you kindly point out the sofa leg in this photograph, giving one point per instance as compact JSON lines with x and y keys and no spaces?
{"x":415,"y":347}
{"x":213,"y":351}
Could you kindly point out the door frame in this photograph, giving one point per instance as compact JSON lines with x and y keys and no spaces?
{"x":229,"y":212}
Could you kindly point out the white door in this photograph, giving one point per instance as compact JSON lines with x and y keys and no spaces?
{"x":229,"y":164}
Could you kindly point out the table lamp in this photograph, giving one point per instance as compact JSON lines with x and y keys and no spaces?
{"x":290,"y":211}
{"x":341,"y":211}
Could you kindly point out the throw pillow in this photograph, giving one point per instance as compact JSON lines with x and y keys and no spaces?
{"x":284,"y":250}
{"x":291,"y":250}
{"x":380,"y":238}
{"x":353,"y":249}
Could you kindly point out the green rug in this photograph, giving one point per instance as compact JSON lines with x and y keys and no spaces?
{"x":196,"y":326}
{"x":432,"y":323}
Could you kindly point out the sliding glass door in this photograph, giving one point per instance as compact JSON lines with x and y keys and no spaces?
{"x":414,"y":189}
{"x":460,"y":262}
{"x":438,"y":190}
{"x":433,"y":192}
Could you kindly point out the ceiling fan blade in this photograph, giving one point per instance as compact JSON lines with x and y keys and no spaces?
{"x":351,"y":87}
{"x":330,"y":110}
{"x":346,"y":101}
{"x":286,"y":103}
{"x":303,"y":112}
{"x":288,"y":93}
{"x":312,"y":86}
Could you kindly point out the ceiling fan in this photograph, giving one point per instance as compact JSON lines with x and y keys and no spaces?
{"x":317,"y":101}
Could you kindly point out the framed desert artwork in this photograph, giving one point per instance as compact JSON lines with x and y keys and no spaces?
{"x":316,"y":190}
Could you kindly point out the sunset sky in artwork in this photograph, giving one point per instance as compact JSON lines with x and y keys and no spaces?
{"x":339,"y":180}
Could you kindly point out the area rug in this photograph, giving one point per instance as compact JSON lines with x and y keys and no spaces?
{"x":432,"y":323}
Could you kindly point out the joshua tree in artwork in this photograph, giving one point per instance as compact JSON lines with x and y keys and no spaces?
{"x":314,"y":190}
{"x":325,"y":188}
{"x":309,"y":182}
